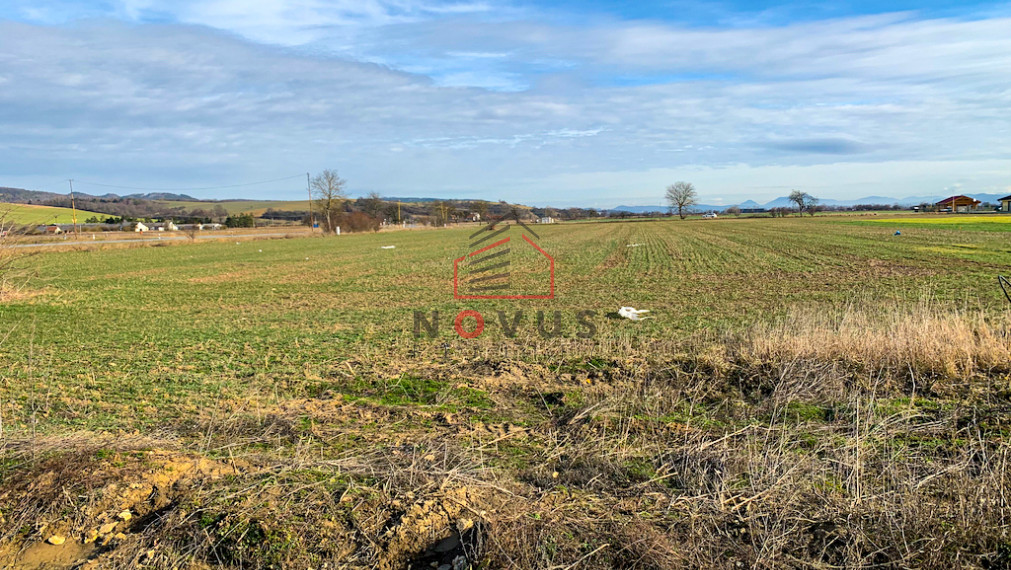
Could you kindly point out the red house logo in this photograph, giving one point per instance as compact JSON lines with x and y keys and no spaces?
{"x":495,"y":270}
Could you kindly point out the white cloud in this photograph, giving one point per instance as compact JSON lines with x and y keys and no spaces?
{"x":464,"y":100}
{"x":897,"y":179}
{"x":296,"y":22}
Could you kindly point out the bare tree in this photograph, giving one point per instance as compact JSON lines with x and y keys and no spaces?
{"x":442,"y":212}
{"x":804,"y":201}
{"x":735,"y":210}
{"x":480,"y":207}
{"x":372,"y":204}
{"x":328,"y":192}
{"x":682,"y":196}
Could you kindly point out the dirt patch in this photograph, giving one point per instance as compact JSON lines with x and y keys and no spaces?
{"x":22,"y":294}
{"x":76,"y":509}
{"x":227,"y":277}
{"x":45,"y":555}
{"x":435,"y":532}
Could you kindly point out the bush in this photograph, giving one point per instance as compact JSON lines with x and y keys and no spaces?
{"x":240,"y":221}
{"x":351,"y":222}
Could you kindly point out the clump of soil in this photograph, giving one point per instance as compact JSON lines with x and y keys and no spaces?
{"x":76,"y":508}
{"x":102,"y":508}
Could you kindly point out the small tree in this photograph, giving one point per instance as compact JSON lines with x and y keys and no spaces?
{"x":735,"y":210}
{"x":436,"y":209}
{"x":804,"y":201}
{"x":328,"y":192}
{"x":681,"y":196}
{"x":480,"y":208}
{"x":372,"y":204}
{"x":240,"y":221}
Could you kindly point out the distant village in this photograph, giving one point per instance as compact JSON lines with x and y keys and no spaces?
{"x":138,"y":227}
{"x":372,"y":213}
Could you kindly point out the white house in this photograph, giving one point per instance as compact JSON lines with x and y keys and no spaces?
{"x":139,"y":227}
{"x":546,"y":220}
{"x":1005,"y":204}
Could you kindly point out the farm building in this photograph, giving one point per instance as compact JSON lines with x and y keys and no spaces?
{"x":546,"y":220}
{"x":1005,"y":204}
{"x":164,"y":227}
{"x":139,"y":227}
{"x":55,"y":230}
{"x":958,"y":204}
{"x":211,"y":226}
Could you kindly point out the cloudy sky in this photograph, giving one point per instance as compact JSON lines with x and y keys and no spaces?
{"x":592,"y":103}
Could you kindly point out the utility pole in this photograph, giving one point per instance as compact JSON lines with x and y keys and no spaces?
{"x":399,"y":219}
{"x":312,"y":218}
{"x":73,"y":206}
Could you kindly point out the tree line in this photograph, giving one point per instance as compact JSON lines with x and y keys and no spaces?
{"x":332,"y":209}
{"x":682,"y":197}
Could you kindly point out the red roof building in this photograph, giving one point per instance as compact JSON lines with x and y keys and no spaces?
{"x":958,"y":204}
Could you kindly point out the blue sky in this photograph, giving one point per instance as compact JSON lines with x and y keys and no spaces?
{"x":569,"y":103}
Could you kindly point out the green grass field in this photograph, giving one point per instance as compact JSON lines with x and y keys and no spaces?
{"x":31,"y":214}
{"x":979,"y":222}
{"x":808,"y":392}
{"x":254,"y":207}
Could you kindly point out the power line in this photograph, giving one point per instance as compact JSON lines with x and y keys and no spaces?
{"x":36,"y":187}
{"x":187,"y":189}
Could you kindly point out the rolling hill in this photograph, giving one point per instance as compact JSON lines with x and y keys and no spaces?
{"x":32,"y":214}
{"x":233,"y":207}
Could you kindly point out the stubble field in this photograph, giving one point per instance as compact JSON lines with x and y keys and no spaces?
{"x":809,"y":392}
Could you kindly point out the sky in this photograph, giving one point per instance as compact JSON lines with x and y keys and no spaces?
{"x":569,"y":103}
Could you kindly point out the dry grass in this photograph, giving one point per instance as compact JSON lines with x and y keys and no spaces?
{"x":927,"y":338}
{"x":7,"y":257}
{"x":863,"y":440}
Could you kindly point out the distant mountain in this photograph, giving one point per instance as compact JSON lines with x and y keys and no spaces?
{"x":993,"y":198}
{"x":665,"y":209}
{"x":877,"y":200}
{"x":639,"y":209}
{"x":885,"y":200}
{"x":784,"y":202}
{"x":22,"y":196}
{"x":425,"y":200}
{"x":781,"y":202}
{"x":162,"y":196}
